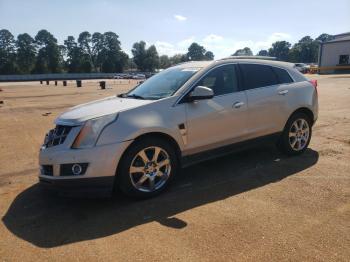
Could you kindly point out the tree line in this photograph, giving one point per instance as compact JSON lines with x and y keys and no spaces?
{"x":304,"y":51}
{"x":101,"y":52}
{"x":95,"y":52}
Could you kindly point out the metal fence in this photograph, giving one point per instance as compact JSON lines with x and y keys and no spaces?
{"x":51,"y":77}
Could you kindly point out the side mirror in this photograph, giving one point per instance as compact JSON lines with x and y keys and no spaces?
{"x":200,"y":93}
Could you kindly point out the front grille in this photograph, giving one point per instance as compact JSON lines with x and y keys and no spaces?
{"x":57,"y":136}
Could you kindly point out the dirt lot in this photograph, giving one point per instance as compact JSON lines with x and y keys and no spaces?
{"x":257,"y":205}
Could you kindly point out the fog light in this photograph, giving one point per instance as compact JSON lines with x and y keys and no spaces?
{"x":77,"y":169}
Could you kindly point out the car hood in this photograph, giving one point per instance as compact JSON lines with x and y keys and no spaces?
{"x":110,"y":105}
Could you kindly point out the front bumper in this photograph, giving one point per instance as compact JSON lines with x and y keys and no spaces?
{"x":86,"y":187}
{"x":99,"y":175}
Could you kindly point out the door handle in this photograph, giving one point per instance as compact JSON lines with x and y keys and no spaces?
{"x":283,"y":92}
{"x":238,"y":104}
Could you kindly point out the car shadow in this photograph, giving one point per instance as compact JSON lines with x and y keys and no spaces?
{"x":46,"y":220}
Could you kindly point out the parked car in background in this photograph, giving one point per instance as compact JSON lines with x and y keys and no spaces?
{"x":138,"y":141}
{"x":303,"y":68}
{"x":149,"y":74}
{"x":138,"y":76}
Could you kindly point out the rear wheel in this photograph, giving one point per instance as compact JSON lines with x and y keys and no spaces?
{"x":147,"y":168}
{"x":296,"y":135}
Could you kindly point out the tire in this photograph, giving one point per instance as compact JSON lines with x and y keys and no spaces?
{"x":139,"y":166}
{"x":296,"y":135}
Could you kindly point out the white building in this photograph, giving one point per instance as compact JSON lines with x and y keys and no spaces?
{"x":334,"y":55}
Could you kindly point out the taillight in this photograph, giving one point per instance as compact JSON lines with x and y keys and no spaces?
{"x":314,"y":83}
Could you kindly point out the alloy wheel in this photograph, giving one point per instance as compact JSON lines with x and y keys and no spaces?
{"x":150,"y":169}
{"x":299,"y":133}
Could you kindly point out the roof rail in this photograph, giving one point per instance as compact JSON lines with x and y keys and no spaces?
{"x":250,"y":57}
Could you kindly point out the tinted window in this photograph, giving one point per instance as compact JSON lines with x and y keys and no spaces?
{"x":222,"y":80}
{"x":255,"y":76}
{"x":282,"y":75}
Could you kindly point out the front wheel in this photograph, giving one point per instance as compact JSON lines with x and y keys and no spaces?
{"x":296,"y":135}
{"x":147,"y":168}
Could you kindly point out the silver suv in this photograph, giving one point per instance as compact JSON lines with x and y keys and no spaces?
{"x":137,"y":142}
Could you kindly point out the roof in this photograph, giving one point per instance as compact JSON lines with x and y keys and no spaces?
{"x":257,"y":61}
{"x":339,"y":38}
{"x":342,"y":35}
{"x":250,"y":57}
{"x":237,"y":59}
{"x":193,"y":64}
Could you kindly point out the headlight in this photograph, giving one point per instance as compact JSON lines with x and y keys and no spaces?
{"x":91,"y":130}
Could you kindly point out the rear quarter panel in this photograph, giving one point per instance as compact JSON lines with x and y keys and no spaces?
{"x":302,"y":95}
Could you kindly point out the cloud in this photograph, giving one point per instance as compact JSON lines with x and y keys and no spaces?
{"x":180,"y":18}
{"x":271,"y":39}
{"x":186,"y":42}
{"x":223,"y":47}
{"x":212,"y":38}
{"x":165,"y":48}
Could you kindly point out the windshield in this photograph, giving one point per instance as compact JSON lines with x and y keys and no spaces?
{"x":163,"y":84}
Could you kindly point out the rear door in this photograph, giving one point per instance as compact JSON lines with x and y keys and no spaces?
{"x":267,"y":97}
{"x":221,"y":120}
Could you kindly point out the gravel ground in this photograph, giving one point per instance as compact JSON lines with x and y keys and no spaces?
{"x":256,"y":205}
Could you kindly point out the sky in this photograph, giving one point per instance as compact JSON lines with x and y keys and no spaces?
{"x":221,"y":26}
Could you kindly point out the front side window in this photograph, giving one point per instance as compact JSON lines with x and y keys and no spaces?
{"x":255,"y":76}
{"x":343,"y":59}
{"x":163,"y":84}
{"x":222,"y":80}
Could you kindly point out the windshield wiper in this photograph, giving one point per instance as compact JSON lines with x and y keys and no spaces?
{"x":135,"y":96}
{"x":125,"y":95}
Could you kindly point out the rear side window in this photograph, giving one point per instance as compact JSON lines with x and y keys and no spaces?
{"x":282,"y":75}
{"x":255,"y":76}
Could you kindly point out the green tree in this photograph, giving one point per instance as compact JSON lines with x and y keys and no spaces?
{"x":164,"y":62}
{"x":209,"y":55}
{"x":96,"y":50}
{"x":280,"y":50}
{"x":309,"y":49}
{"x":49,"y":55}
{"x":131,"y":64}
{"x":196,"y":52}
{"x":26,"y":53}
{"x":73,"y":53}
{"x":243,"y":52}
{"x":113,"y":58}
{"x":306,"y":50}
{"x":85,"y":45}
{"x":324,"y":37}
{"x":139,"y":53}
{"x":7,"y":53}
{"x":263,"y":53}
{"x":152,"y":59}
{"x":145,"y":59}
{"x":178,"y":58}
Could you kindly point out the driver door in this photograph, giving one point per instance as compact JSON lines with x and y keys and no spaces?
{"x":219,"y":121}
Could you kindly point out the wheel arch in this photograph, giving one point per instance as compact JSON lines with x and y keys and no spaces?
{"x":163,"y":136}
{"x":304,"y":110}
